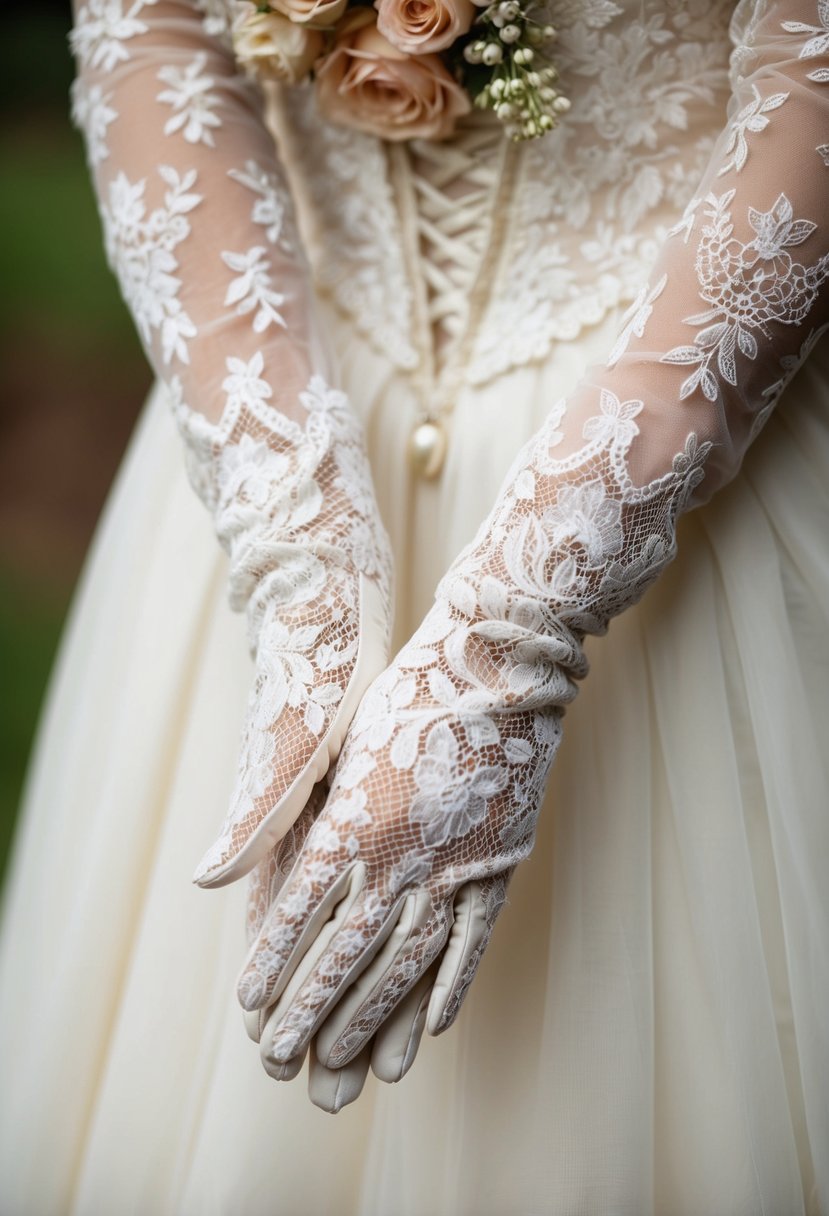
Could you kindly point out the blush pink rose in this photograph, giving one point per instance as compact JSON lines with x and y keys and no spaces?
{"x":420,"y":27}
{"x":367,"y":83}
{"x":320,"y":13}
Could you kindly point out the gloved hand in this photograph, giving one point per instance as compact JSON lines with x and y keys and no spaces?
{"x":393,"y":1049}
{"x":436,"y":794}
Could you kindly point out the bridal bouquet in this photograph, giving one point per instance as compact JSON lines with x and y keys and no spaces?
{"x":407,"y":69}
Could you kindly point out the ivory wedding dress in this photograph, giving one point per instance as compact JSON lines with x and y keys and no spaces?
{"x":647,"y":1032}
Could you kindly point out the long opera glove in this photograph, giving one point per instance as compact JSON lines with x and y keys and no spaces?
{"x":199,"y":231}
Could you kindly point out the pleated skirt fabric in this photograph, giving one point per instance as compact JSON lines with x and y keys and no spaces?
{"x":648,"y":1034}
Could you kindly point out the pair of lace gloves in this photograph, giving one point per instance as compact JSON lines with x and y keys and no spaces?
{"x":374,"y":892}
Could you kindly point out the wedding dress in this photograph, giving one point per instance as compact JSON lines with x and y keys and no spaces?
{"x":645,"y":1034}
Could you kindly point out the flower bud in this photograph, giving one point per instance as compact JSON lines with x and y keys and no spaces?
{"x":492,"y":54}
{"x":472,"y":53}
{"x":510,"y":34}
{"x":505,"y":110}
{"x":561,"y":105}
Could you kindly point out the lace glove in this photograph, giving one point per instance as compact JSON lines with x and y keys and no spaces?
{"x":198,"y":228}
{"x":436,"y":794}
{"x":393,"y":1048}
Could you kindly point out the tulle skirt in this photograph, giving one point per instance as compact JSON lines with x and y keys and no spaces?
{"x":648,"y":1033}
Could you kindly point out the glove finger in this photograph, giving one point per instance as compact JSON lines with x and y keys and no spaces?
{"x":418,"y":955}
{"x":333,"y":1088}
{"x":396,"y":1042}
{"x":476,"y":909}
{"x":332,"y":962}
{"x":285,"y":1071}
{"x":254,"y":1020}
{"x":269,"y":876}
{"x":259,"y":817}
{"x":416,"y":912}
{"x":292,"y":926}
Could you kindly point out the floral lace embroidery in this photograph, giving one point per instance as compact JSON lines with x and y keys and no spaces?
{"x":272,"y":208}
{"x":92,"y":113}
{"x":750,"y":120}
{"x":749,"y":286}
{"x":294,"y":508}
{"x":188,"y":94}
{"x":101,"y":29}
{"x":141,"y":251}
{"x":818,"y":43}
{"x":253,"y":289}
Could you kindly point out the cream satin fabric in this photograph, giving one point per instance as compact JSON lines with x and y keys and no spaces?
{"x":653,"y":964}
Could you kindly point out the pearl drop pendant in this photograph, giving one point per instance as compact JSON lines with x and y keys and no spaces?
{"x":427,"y":449}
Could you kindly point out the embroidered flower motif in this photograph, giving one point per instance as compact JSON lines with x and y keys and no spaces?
{"x":584,"y":515}
{"x":101,"y":29}
{"x":252,"y":469}
{"x":750,"y":286}
{"x":253,"y":289}
{"x":636,"y":318}
{"x":92,"y":114}
{"x":450,"y":801}
{"x":818,"y":42}
{"x":140,"y":249}
{"x":245,"y":386}
{"x":193,"y":105}
{"x":751,"y":119}
{"x":272,"y":208}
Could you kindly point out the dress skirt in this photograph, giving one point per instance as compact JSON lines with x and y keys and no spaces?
{"x":648,"y":1033}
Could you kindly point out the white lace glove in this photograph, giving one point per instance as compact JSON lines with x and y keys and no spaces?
{"x":436,"y":794}
{"x":198,"y":228}
{"x":294,"y":506}
{"x":394,"y":1046}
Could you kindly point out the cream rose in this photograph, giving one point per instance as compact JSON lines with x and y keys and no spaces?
{"x":367,"y":83}
{"x":270,"y":47}
{"x":423,"y":26}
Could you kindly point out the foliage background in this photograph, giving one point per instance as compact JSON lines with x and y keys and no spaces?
{"x":72,"y":375}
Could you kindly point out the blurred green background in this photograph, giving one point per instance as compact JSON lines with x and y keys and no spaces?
{"x":72,"y":375}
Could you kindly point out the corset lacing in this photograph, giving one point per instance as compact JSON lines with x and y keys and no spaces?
{"x":455,"y":185}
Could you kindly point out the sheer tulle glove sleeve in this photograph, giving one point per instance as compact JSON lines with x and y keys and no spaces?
{"x":436,"y":795}
{"x":198,"y":229}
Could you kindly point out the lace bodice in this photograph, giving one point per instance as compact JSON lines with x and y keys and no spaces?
{"x":536,"y":240}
